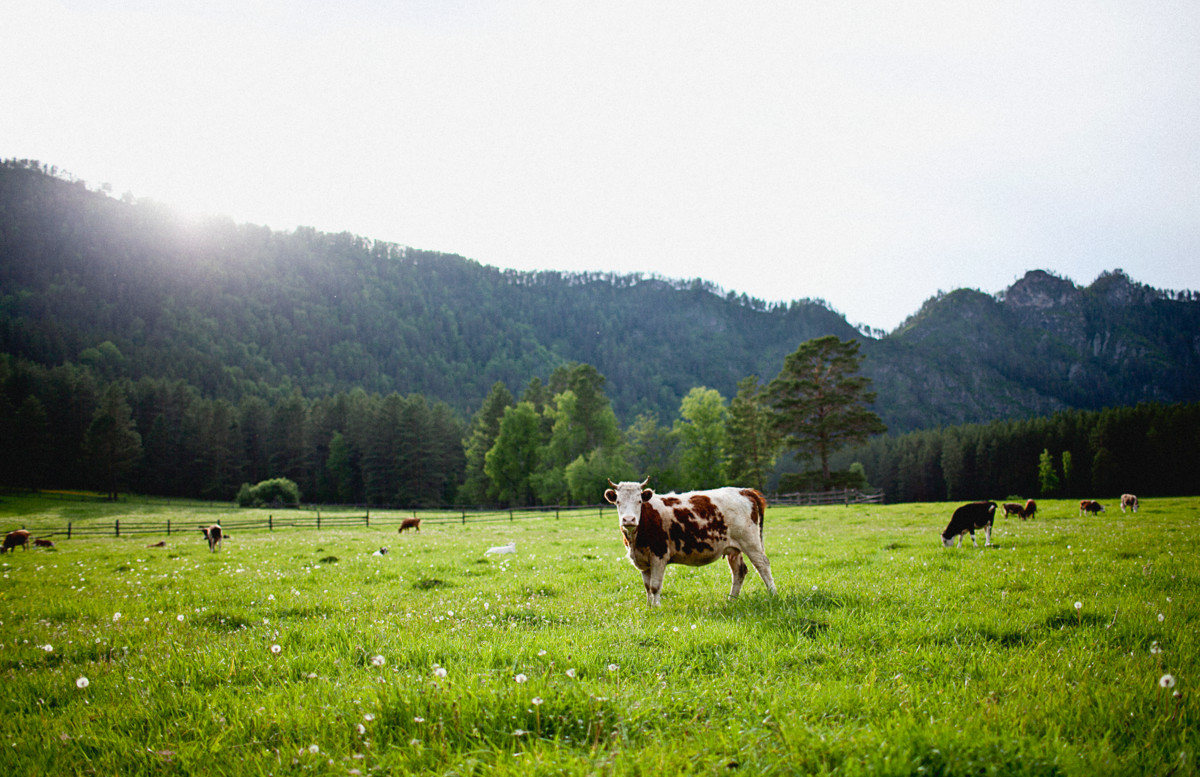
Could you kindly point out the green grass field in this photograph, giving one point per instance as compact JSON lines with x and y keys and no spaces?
{"x":295,"y":652}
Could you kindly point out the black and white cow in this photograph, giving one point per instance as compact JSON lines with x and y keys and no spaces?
{"x":968,"y":518}
{"x":695,"y":528}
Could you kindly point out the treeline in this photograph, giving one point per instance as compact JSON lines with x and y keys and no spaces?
{"x":1148,"y":449}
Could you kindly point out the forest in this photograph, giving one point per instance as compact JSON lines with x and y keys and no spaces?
{"x":140,"y":351}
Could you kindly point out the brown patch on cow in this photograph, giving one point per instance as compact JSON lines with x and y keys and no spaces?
{"x":671,"y":501}
{"x":758,"y":505}
{"x":650,"y":533}
{"x":704,"y":507}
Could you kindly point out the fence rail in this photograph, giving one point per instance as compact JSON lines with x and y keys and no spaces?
{"x":846,"y":496}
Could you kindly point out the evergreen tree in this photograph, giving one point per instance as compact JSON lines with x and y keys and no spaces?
{"x":751,"y":439}
{"x":1047,"y":477}
{"x":112,"y":445}
{"x":513,"y":458}
{"x":477,"y":488}
{"x":819,"y":399}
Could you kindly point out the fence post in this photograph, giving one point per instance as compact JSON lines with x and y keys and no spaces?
{"x":368,"y":520}
{"x":464,"y":512}
{"x":68,"y":530}
{"x":117,"y":526}
{"x":168,"y":527}
{"x":510,"y":516}
{"x":270,"y":522}
{"x":318,"y":520}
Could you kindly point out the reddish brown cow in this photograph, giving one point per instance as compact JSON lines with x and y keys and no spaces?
{"x":695,"y":528}
{"x":1029,"y":510}
{"x":1012,"y":508}
{"x":409,"y":523}
{"x":1090,"y":506}
{"x":41,"y":542}
{"x":15,"y":538}
{"x":214,"y":535}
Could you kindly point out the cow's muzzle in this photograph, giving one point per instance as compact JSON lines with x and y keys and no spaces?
{"x":629,"y":527}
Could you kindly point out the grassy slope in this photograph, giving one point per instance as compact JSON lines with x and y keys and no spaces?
{"x":883,"y":654}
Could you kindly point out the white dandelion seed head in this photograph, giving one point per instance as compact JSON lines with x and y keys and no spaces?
{"x":48,"y":648}
{"x":276,"y":649}
{"x":378,"y":661}
{"x":520,"y":732}
{"x":571,"y":672}
{"x":1155,"y":649}
{"x":1161,"y":617}
{"x":537,"y":701}
{"x":440,"y":672}
{"x":613,"y":667}
{"x":1166,"y":681}
{"x":82,"y":682}
{"x":418,"y":719}
{"x":1078,"y":605}
{"x":368,"y":717}
{"x":541,"y":652}
{"x":361,"y":728}
{"x":179,"y":617}
{"x":520,"y":678}
{"x":116,"y":617}
{"x":314,"y":749}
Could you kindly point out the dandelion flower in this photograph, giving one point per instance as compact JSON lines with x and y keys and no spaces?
{"x":541,"y":652}
{"x":1078,"y":605}
{"x":571,"y":672}
{"x":613,"y":667}
{"x":361,"y":729}
{"x":314,"y":749}
{"x":440,"y":671}
{"x":1154,"y":648}
{"x":368,"y":717}
{"x":116,"y":617}
{"x":378,"y":661}
{"x":1161,"y":617}
{"x":179,"y":617}
{"x":520,"y":678}
{"x":81,"y":682}
{"x":520,"y":732}
{"x":276,"y":649}
{"x":1166,"y":681}
{"x":418,"y":719}
{"x":48,"y":648}
{"x":537,"y":701}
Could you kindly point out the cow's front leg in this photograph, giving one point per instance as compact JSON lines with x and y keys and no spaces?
{"x":646,"y":578}
{"x":658,"y":568}
{"x":974,"y":544}
{"x":987,"y":533}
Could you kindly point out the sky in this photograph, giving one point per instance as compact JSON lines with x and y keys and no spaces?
{"x":869,"y":154}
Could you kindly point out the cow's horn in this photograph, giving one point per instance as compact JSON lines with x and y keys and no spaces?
{"x":614,"y":485}
{"x":644,"y":482}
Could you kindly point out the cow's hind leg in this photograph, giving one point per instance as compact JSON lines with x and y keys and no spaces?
{"x":763,"y":566}
{"x":737,"y":566}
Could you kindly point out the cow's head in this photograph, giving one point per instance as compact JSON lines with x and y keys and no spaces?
{"x":628,"y":497}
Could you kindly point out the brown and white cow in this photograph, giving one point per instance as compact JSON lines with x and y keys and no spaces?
{"x":214,"y":535}
{"x":410,"y":523}
{"x":694,"y":528}
{"x":968,"y":518}
{"x":1130,"y":501}
{"x":1090,"y":506}
{"x":15,"y":538}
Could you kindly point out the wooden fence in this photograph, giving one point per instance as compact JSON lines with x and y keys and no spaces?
{"x":846,"y":496}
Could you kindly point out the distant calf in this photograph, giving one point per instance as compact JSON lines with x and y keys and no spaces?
{"x":410,"y":523}
{"x":968,"y":518}
{"x":214,"y":535}
{"x":15,"y":538}
{"x":1090,"y":506}
{"x":159,"y":544}
{"x":1011,"y":508}
{"x":1029,"y":510}
{"x":41,"y":542}
{"x":1130,"y":501}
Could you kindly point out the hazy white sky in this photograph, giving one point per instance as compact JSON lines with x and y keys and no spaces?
{"x":866,"y":153}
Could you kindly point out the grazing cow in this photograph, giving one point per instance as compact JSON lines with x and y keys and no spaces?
{"x":215,"y":535}
{"x":1012,"y":508}
{"x":42,"y":542}
{"x":15,"y":538}
{"x":410,"y":523}
{"x":695,"y":528}
{"x":1029,"y":510}
{"x":380,"y":552}
{"x":1090,"y":506}
{"x":968,"y":518}
{"x":1130,"y":501}
{"x":159,"y":544}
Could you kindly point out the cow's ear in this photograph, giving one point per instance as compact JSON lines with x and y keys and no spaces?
{"x":647,"y":495}
{"x":610,"y":496}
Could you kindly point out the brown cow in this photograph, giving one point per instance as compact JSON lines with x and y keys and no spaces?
{"x":214,"y":535}
{"x":1012,"y":508}
{"x":15,"y":538}
{"x":159,"y":544}
{"x":1130,"y":501}
{"x":42,"y":542}
{"x":695,"y":528}
{"x":1029,"y":510}
{"x":410,"y":523}
{"x":1090,"y":506}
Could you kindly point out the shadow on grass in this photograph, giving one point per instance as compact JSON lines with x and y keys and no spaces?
{"x":787,"y":612}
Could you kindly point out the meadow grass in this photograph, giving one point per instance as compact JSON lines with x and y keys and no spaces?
{"x":297,"y":652}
